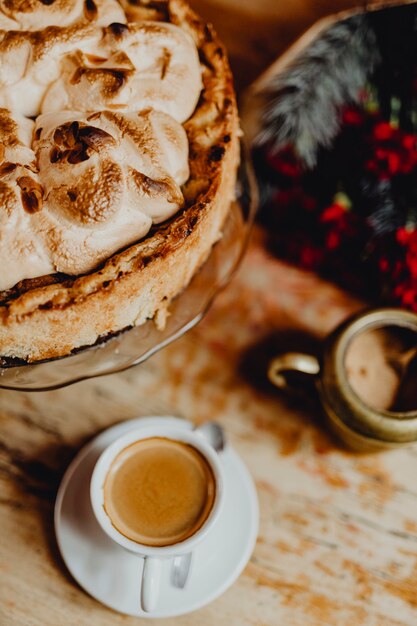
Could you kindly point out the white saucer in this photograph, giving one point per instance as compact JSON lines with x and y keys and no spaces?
{"x":112,"y":575}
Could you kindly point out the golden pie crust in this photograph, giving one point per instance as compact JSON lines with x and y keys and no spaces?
{"x":53,"y":316}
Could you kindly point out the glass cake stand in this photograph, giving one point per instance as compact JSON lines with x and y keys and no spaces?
{"x":135,"y":345}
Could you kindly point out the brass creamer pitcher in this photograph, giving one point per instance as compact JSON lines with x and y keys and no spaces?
{"x":365,"y":365}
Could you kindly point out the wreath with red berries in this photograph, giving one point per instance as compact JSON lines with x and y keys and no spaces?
{"x":336,"y":156}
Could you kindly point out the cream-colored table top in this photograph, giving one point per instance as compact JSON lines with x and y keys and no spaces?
{"x":338,"y":531}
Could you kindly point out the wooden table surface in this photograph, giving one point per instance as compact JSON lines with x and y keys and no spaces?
{"x":338,"y":531}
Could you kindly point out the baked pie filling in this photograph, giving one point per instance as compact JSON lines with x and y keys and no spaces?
{"x":118,"y":156}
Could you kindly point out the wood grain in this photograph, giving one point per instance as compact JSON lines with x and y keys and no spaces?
{"x":338,"y":533}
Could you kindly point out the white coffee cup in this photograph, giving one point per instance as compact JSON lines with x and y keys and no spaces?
{"x":180,"y":553}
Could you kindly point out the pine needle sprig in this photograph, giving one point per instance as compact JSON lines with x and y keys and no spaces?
{"x":302,"y":103}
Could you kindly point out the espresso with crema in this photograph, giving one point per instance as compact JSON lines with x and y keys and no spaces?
{"x":159,"y":491}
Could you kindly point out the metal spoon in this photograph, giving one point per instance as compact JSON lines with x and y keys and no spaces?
{"x":213,"y":433}
{"x":180,"y":570}
{"x":402,"y":361}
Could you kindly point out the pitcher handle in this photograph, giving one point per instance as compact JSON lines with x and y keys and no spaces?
{"x":292,"y":362}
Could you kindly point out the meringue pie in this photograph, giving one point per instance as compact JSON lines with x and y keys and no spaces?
{"x":118,"y":156}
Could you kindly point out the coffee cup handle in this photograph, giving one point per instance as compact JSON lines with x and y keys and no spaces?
{"x":282,"y":364}
{"x":151,"y":576}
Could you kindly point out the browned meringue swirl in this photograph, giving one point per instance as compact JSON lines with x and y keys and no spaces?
{"x":86,"y":68}
{"x":22,"y":253}
{"x":38,"y":14}
{"x":75,"y":142}
{"x":107,"y":155}
{"x":147,"y":64}
{"x":101,"y":181}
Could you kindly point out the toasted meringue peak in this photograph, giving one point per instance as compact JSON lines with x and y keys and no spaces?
{"x":135,"y":66}
{"x":107,"y":155}
{"x":30,"y":15}
{"x":31,"y":61}
{"x":15,"y":139}
{"x":138,"y":11}
{"x":82,"y":67}
{"x":103,"y":180}
{"x":22,"y":253}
